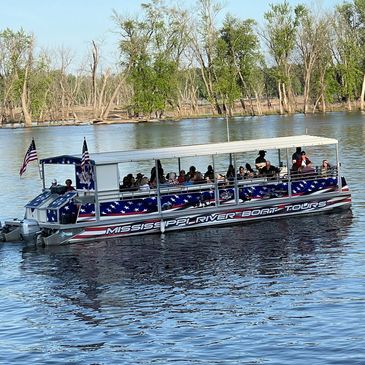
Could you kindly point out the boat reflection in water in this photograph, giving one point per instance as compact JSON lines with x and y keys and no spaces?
{"x":241,"y":261}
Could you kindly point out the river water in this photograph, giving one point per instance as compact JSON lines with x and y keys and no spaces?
{"x":289,"y":291}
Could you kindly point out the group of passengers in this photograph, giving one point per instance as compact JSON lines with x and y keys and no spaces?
{"x":264,"y":167}
{"x":193,"y":176}
{"x":301,"y":165}
{"x":56,"y":188}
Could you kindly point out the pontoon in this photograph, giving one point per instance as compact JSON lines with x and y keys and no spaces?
{"x":99,"y":209}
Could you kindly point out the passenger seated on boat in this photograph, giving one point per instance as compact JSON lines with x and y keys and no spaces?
{"x":129,"y":183}
{"x":260,"y":160}
{"x":230,"y":173}
{"x":53,"y":184}
{"x":303,"y":161}
{"x":209,"y":175}
{"x":269,"y":170}
{"x":171,"y":178}
{"x":241,"y":173}
{"x":69,"y":186}
{"x":55,"y":188}
{"x":325,"y":168}
{"x":144,"y":185}
{"x":221,"y":179}
{"x":191,"y":173}
{"x":139,"y":178}
{"x":181,"y":177}
{"x":198,"y":178}
{"x":249,"y":171}
{"x":295,"y":157}
{"x":161,"y":176}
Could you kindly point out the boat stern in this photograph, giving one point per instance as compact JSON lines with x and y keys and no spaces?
{"x":20,"y":230}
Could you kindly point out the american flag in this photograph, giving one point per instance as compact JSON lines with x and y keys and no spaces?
{"x":31,"y":155}
{"x":85,"y":155}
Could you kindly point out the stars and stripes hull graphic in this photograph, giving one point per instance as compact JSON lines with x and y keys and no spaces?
{"x":188,"y":219}
{"x":187,"y":200}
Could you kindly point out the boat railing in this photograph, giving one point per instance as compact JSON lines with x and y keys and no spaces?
{"x":315,"y":173}
{"x":166,"y":189}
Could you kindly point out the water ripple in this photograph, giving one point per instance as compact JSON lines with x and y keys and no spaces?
{"x":280,"y":292}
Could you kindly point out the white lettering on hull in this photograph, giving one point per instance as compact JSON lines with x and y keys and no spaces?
{"x":210,"y":218}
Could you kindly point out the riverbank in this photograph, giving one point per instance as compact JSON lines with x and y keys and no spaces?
{"x":83,"y":115}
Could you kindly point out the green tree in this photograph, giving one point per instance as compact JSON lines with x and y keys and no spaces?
{"x":16,"y":57}
{"x":153,"y":47}
{"x":347,"y":52}
{"x":280,"y":35}
{"x":313,"y":46}
{"x":243,"y":54}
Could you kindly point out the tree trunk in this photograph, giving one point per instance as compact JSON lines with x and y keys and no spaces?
{"x":362,"y":94}
{"x":251,"y":106}
{"x":258,"y":103}
{"x":217,"y":106}
{"x":243,"y":104}
{"x":285,"y":98}
{"x":27,"y":116}
{"x":280,"y":99}
{"x":102,"y":91}
{"x":106,"y":111}
{"x":306,"y":93}
{"x":94,"y":67}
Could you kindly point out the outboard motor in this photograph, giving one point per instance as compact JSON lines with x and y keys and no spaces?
{"x":29,"y":229}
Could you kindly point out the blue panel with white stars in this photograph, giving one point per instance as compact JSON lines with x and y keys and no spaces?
{"x":62,"y":160}
{"x":62,"y":204}
{"x":39,"y":200}
{"x":62,"y":200}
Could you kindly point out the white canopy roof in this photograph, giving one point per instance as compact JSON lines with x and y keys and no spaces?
{"x":104,"y":158}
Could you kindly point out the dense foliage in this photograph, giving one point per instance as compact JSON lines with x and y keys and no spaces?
{"x":178,"y":62}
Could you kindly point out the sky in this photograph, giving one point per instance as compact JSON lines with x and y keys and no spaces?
{"x":73,"y":24}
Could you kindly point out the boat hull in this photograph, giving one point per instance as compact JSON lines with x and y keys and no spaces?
{"x":204,"y":217}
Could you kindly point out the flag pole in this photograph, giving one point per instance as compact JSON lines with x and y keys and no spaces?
{"x":39,"y":167}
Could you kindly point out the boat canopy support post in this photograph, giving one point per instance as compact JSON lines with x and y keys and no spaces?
{"x":289,"y":176}
{"x":339,"y":180}
{"x":158,"y":188}
{"x":236,"y":191}
{"x":216,"y":190}
{"x":279,"y":158}
{"x":97,"y":204}
{"x":178,"y":165}
{"x":43,"y":177}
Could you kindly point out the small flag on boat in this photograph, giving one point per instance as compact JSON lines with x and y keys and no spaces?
{"x":85,"y":155}
{"x":30,"y":155}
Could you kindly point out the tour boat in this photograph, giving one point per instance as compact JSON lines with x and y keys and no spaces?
{"x":99,"y":209}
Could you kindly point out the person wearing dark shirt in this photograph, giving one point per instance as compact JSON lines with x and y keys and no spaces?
{"x":295,"y":157}
{"x":210,"y":173}
{"x":260,"y":160}
{"x":230,"y":173}
{"x":69,"y":186}
{"x":161,"y":176}
{"x":191,"y":174}
{"x":249,"y":169}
